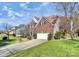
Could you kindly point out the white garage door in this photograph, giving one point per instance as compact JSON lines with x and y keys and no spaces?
{"x":42,"y":36}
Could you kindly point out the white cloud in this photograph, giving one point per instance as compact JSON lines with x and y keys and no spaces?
{"x":10,"y":13}
{"x":19,"y":14}
{"x":23,"y":5}
{"x":38,"y":8}
{"x":5,"y":8}
{"x":44,"y":4}
{"x":13,"y":17}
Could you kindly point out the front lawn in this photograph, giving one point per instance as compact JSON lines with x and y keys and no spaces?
{"x":11,"y":40}
{"x":56,"y":48}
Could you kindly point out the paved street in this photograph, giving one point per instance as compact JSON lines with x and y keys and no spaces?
{"x":11,"y":49}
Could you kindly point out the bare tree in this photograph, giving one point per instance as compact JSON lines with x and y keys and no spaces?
{"x":7,"y":28}
{"x":76,"y":22}
{"x":23,"y":30}
{"x":68,"y":8}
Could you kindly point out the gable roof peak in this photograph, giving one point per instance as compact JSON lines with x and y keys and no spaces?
{"x":35,"y":19}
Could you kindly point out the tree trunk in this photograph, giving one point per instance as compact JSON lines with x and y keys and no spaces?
{"x":8,"y":36}
{"x":71,"y":34}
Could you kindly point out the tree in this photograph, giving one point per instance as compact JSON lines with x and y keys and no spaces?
{"x":68,"y":8}
{"x":76,"y":22}
{"x":7,"y":27}
{"x":22,"y":30}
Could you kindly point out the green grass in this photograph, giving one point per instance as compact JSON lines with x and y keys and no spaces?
{"x":11,"y":40}
{"x":56,"y":48}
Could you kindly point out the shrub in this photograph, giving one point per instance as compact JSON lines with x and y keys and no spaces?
{"x":5,"y":38}
{"x":35,"y":36}
{"x":22,"y":36}
{"x":77,"y":32}
{"x":49,"y":36}
{"x":29,"y":37}
{"x":58,"y":35}
{"x":14,"y":35}
{"x":64,"y":32}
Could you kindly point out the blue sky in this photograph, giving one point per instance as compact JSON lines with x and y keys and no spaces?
{"x":16,"y":13}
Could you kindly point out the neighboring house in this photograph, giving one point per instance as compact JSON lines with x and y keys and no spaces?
{"x":12,"y":31}
{"x":18,"y":32}
{"x":22,"y":30}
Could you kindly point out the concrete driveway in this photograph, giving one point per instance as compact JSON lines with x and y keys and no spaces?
{"x":11,"y":49}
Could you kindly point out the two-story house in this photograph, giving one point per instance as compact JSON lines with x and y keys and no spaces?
{"x":48,"y":24}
